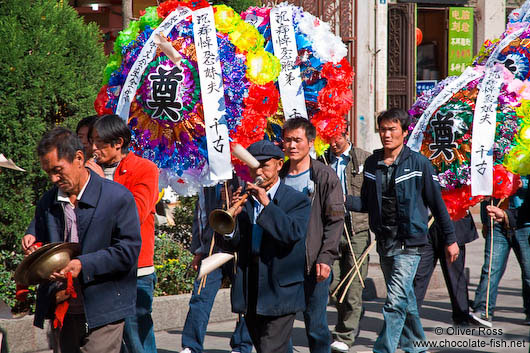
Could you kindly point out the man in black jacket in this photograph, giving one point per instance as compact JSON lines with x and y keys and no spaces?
{"x":321,"y":184}
{"x":399,"y":185}
{"x":270,"y":240}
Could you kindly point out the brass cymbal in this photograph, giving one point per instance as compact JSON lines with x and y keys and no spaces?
{"x":40,"y":264}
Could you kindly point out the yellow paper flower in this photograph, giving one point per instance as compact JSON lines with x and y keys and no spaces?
{"x":524,"y":110}
{"x":246,"y":37}
{"x":320,"y":146}
{"x":226,"y":18}
{"x":518,"y":160}
{"x":262,"y":67}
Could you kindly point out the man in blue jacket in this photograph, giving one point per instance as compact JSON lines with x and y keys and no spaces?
{"x":101,"y":216}
{"x":398,"y":188}
{"x":270,"y":240}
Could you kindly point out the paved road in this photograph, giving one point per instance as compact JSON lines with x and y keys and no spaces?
{"x":436,"y":318}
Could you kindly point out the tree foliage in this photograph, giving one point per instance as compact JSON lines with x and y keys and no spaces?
{"x":50,"y":64}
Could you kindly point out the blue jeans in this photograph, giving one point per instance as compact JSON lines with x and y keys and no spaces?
{"x":402,"y":323}
{"x":501,"y":250}
{"x":199,"y":313}
{"x":138,"y":333}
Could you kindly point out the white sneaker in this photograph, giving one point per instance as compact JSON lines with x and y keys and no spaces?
{"x":338,"y":346}
{"x":186,"y":350}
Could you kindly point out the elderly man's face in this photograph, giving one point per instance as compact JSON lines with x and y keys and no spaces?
{"x":268,"y":171}
{"x":66,"y":175}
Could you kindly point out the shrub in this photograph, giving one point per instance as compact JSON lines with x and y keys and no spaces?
{"x":51,"y":64}
{"x":173,"y":266}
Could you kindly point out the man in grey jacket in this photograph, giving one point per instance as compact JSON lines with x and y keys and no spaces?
{"x":348,"y":163}
{"x":321,"y":184}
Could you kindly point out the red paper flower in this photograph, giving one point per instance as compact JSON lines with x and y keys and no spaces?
{"x":262,"y":99}
{"x":505,"y":184}
{"x":341,"y":74}
{"x":167,"y":7}
{"x":328,"y":125}
{"x":100,"y":104}
{"x":459,"y":200}
{"x":335,"y":100}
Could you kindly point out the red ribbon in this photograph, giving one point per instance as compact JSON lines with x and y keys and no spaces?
{"x":62,"y":308}
{"x":22,"y":291}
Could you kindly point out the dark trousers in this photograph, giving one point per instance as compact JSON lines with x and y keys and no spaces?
{"x":454,"y":275}
{"x":74,"y":337}
{"x":270,"y":334}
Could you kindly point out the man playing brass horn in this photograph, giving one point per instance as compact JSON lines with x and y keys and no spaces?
{"x":270,"y":240}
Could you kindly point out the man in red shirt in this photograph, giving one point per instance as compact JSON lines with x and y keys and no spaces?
{"x":110,"y":138}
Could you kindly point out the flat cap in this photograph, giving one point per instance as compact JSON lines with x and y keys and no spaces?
{"x":265,"y":149}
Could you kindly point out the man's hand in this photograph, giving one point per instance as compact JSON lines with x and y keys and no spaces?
{"x":497,"y":213}
{"x":451,"y":252}
{"x":195,"y":263}
{"x":323,"y":272}
{"x":96,"y":168}
{"x":28,"y":243}
{"x":259,"y":193}
{"x":61,"y":296}
{"x":236,"y":197}
{"x":73,"y":266}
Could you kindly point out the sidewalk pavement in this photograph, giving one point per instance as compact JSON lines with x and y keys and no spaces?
{"x":436,"y":318}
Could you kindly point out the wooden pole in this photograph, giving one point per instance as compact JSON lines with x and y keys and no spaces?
{"x":363,"y":257}
{"x":203,"y":280}
{"x":357,"y":268}
{"x":361,"y":260}
{"x":489,"y":265}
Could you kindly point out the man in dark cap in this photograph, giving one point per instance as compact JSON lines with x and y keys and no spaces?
{"x":270,"y":240}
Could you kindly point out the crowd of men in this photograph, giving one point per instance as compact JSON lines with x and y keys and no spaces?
{"x":302,"y":231}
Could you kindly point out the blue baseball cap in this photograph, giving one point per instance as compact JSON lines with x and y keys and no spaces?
{"x":265,"y":149}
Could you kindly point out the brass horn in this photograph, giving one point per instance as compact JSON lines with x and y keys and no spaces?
{"x":223,"y":222}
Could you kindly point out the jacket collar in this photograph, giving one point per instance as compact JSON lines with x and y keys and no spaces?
{"x":285,"y":169}
{"x":405,"y":153}
{"x":124,"y":164}
{"x":90,"y":196}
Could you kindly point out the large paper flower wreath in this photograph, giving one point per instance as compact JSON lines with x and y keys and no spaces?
{"x":325,"y":72}
{"x":175,"y":138}
{"x":452,"y":164}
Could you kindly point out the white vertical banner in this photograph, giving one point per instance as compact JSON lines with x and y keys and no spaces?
{"x":484,"y":125}
{"x":285,"y":49}
{"x":416,"y":137}
{"x":146,"y":55}
{"x":212,"y":93}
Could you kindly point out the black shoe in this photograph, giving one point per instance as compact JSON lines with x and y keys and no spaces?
{"x":462,"y":323}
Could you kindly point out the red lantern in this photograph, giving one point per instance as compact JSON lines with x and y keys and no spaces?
{"x":419,"y":36}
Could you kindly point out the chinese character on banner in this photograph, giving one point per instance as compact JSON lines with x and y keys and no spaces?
{"x":165,"y":97}
{"x":460,"y":51}
{"x":444,"y":136}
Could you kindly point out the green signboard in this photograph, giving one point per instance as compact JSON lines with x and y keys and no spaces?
{"x":460,"y":39}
